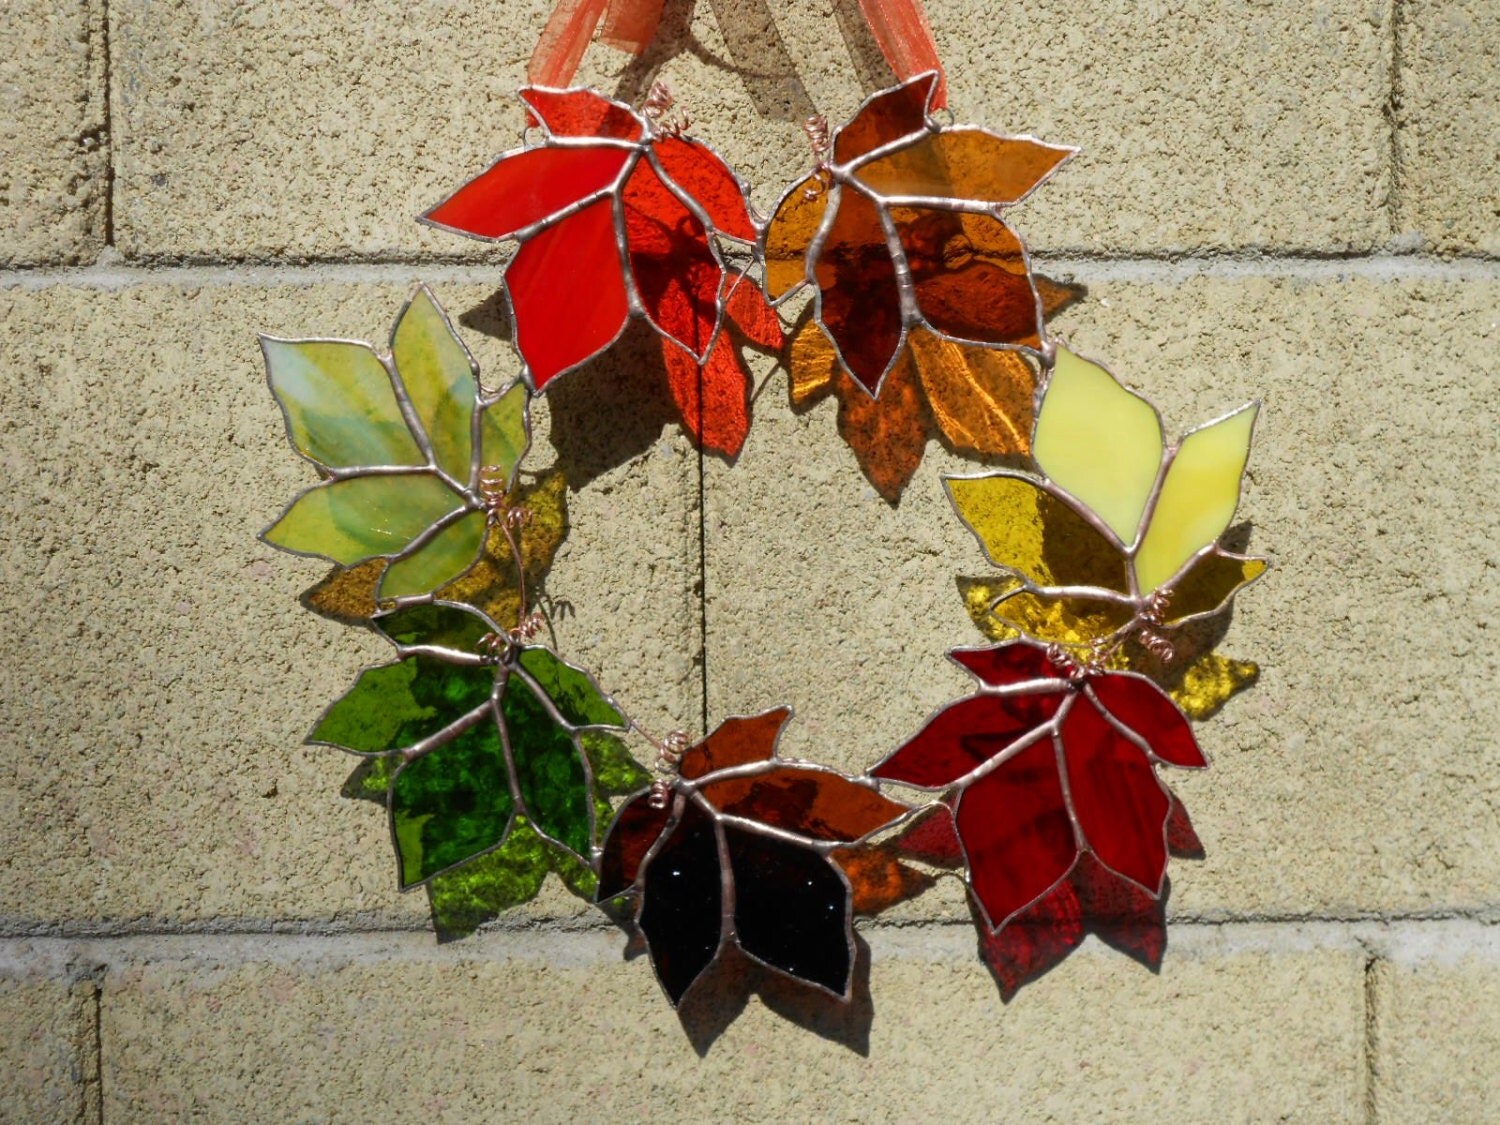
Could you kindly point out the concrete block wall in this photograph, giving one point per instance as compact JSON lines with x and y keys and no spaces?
{"x":1291,"y":200}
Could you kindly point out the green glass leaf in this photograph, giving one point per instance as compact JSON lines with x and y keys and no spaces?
{"x":615,"y":770}
{"x":396,"y":705}
{"x":340,"y":407}
{"x":438,"y":561}
{"x":441,"y":380}
{"x":577,"y":876}
{"x":468,"y":896}
{"x":572,"y":691}
{"x":436,"y":625}
{"x":371,"y":779}
{"x":549,"y":771}
{"x":504,"y":431}
{"x":451,"y":803}
{"x":360,"y":517}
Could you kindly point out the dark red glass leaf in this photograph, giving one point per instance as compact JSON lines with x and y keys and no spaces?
{"x":860,"y":304}
{"x":1003,"y":665}
{"x":681,"y":913}
{"x":581,"y":113}
{"x":818,"y":804}
{"x":698,"y":171}
{"x":969,"y":274}
{"x":1016,"y":832}
{"x":932,"y":839}
{"x":675,"y":272}
{"x":1120,"y":805}
{"x":736,"y":742}
{"x":526,"y":187}
{"x":965,"y":735}
{"x":1143,"y":708}
{"x":792,"y":909}
{"x":713,"y":398}
{"x":746,"y":306}
{"x":886,"y":117}
{"x":1182,"y":837}
{"x":568,"y":291}
{"x":636,"y":827}
{"x":1036,"y":939}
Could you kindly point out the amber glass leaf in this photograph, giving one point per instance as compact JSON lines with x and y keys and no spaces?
{"x":878,"y":878}
{"x":1028,"y":529}
{"x":981,"y":398}
{"x":887,"y":116}
{"x":970,"y":275}
{"x":965,"y":164}
{"x":811,"y":365}
{"x":859,"y":303}
{"x":736,"y":742}
{"x":1211,"y":582}
{"x":789,"y":234}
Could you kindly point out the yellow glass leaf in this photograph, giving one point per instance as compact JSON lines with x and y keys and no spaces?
{"x":1210,"y":582}
{"x":1209,"y":682}
{"x":1062,"y":618}
{"x":981,"y":398}
{"x":445,"y":556}
{"x":980,"y":596}
{"x":810,"y":365}
{"x":1098,"y":441}
{"x":440,"y":378}
{"x":791,"y":230}
{"x":1198,"y":496}
{"x":1025,"y":528}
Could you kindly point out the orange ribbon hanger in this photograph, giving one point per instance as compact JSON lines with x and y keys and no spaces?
{"x":900,"y":29}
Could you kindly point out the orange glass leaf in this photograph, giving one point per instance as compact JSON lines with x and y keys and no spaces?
{"x":970,"y":275}
{"x":736,"y":742}
{"x":581,"y":113}
{"x":860,"y":305}
{"x":965,"y":164}
{"x":784,"y":248}
{"x":526,"y":187}
{"x":699,"y":171}
{"x":747,"y":310}
{"x":713,"y":397}
{"x":675,"y":273}
{"x":815,"y":803}
{"x":981,"y":399}
{"x":878,"y":878}
{"x":886,"y":117}
{"x":888,"y":435}
{"x":568,"y":292}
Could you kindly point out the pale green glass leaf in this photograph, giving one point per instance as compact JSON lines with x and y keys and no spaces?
{"x":504,"y":431}
{"x":1099,"y":442}
{"x":340,"y":408}
{"x":440,"y":379}
{"x":360,"y":517}
{"x":1198,"y":496}
{"x":438,"y":561}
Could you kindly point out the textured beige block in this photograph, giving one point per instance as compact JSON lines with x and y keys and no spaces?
{"x":161,"y":675}
{"x":1449,"y":175}
{"x":1358,"y":774}
{"x":53,"y":160}
{"x":537,"y":1028}
{"x":1437,"y":1037}
{"x":276,"y":131}
{"x":48,"y":1055}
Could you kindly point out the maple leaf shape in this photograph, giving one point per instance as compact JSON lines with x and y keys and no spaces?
{"x":739,"y":852}
{"x":479,"y":742}
{"x":616,"y":217}
{"x":403,"y":441}
{"x":901,"y":228}
{"x":1121,"y":531}
{"x":1044,"y":763}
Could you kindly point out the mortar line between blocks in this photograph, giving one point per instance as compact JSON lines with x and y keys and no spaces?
{"x":109,"y":273}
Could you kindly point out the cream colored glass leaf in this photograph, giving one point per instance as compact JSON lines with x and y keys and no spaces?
{"x":1198,"y":496}
{"x":1099,"y":442}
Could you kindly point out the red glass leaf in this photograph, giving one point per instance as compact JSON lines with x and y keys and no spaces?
{"x":747,"y":308}
{"x":736,"y":742}
{"x":636,"y":827}
{"x":1143,"y":708}
{"x":860,"y":304}
{"x":703,"y":175}
{"x":1016,"y":832}
{"x":526,"y":187}
{"x":713,"y":398}
{"x":966,"y":734}
{"x":581,"y":113}
{"x":1120,"y":805}
{"x":932,"y":839}
{"x":886,"y":117}
{"x":815,"y":803}
{"x":970,"y":275}
{"x":568,"y":292}
{"x":1036,"y":939}
{"x":675,"y":271}
{"x":1003,"y":665}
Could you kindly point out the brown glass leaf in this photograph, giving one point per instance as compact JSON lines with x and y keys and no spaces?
{"x":965,"y":164}
{"x":789,"y":234}
{"x":815,"y":803}
{"x":860,"y":303}
{"x":1211,"y":582}
{"x":981,"y":398}
{"x":491,"y":584}
{"x":878,"y":878}
{"x":736,"y":742}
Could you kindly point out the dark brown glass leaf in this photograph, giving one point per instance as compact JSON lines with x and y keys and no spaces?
{"x":637,"y":826}
{"x":814,"y":803}
{"x":681,"y":914}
